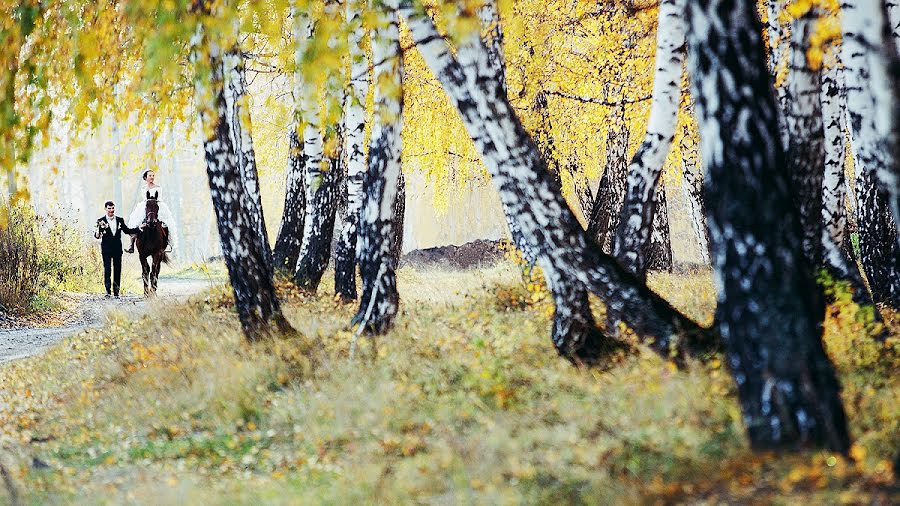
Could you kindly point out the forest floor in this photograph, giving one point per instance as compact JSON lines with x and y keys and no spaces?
{"x":464,"y":402}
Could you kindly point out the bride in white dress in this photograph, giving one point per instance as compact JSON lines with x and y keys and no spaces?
{"x":137,"y":216}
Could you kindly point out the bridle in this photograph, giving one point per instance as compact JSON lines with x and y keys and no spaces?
{"x":152,"y":212}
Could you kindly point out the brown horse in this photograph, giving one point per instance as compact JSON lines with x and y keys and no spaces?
{"x":152,"y":241}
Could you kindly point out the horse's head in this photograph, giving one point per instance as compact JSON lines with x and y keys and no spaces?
{"x":152,"y":211}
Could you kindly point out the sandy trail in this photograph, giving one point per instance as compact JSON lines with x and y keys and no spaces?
{"x":24,"y":342}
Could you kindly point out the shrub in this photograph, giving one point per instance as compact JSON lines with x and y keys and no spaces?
{"x":41,"y":256}
{"x":19,"y":260}
{"x":67,"y":261}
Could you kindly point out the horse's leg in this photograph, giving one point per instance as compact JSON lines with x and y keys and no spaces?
{"x":145,"y":275}
{"x":156,"y":266}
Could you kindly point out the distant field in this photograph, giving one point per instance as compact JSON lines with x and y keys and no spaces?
{"x":465,"y":402}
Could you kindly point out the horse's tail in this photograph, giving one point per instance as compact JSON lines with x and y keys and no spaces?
{"x":165,"y":258}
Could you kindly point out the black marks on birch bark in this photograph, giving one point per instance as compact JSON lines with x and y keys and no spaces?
{"x":232,"y":176}
{"x":610,"y":193}
{"x":290,"y":233}
{"x":377,"y":231}
{"x":321,"y":207}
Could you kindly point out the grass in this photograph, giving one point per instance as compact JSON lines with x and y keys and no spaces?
{"x":464,"y":402}
{"x":215,"y":271}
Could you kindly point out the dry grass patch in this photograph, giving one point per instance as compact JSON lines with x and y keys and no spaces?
{"x":464,"y":402}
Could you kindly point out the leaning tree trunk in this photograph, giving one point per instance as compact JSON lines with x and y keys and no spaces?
{"x":770,"y":308}
{"x":571,"y":262}
{"x":638,"y":212}
{"x":290,"y":233}
{"x":802,"y":112}
{"x":322,"y":174}
{"x":489,"y":17}
{"x":243,"y":244}
{"x":870,"y":104}
{"x":377,"y":229}
{"x":572,"y":316}
{"x":658,"y":252}
{"x":604,"y":217}
{"x":354,"y":132}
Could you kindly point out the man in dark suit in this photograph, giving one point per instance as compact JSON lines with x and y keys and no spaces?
{"x":109,"y":230}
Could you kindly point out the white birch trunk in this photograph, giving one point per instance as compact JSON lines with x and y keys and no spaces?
{"x":770,"y":308}
{"x":604,"y":217}
{"x":249,"y":265}
{"x":692,"y":187}
{"x":779,"y":39}
{"x":354,"y":133}
{"x":834,"y":192}
{"x":802,"y":115}
{"x":290,"y":233}
{"x":489,"y":18}
{"x":321,"y":174}
{"x":834,"y":184}
{"x":639,"y":207}
{"x":379,"y":301}
{"x":237,"y":103}
{"x":868,"y":54}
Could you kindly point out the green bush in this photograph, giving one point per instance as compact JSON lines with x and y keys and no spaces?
{"x":68,"y":262}
{"x":41,"y":256}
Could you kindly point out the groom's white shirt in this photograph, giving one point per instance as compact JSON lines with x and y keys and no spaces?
{"x":113,"y":223}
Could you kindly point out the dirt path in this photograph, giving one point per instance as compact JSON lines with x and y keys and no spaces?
{"x":90,"y":310}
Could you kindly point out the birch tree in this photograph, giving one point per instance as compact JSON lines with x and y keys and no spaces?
{"x":834,"y":189}
{"x":779,"y":43}
{"x":354,"y":132}
{"x":802,"y":113}
{"x":290,"y":232}
{"x":867,"y":53}
{"x":769,"y":309}
{"x":573,"y":313}
{"x":544,"y":219}
{"x":604,"y":217}
{"x":237,"y":102}
{"x":834,"y":185}
{"x":322,"y":173}
{"x":379,"y":300}
{"x":639,"y":208}
{"x":218,"y":88}
{"x":658,"y":252}
{"x":399,"y":221}
{"x":692,"y":187}
{"x":489,"y":18}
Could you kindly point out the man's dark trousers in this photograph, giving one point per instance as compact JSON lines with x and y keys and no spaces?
{"x":112,"y":262}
